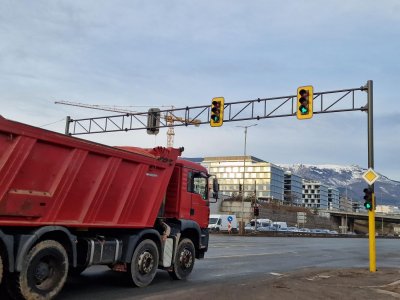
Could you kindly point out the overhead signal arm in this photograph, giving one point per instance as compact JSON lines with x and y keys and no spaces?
{"x":262,"y":108}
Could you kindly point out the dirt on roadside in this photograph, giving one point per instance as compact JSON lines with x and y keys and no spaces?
{"x":305,"y":284}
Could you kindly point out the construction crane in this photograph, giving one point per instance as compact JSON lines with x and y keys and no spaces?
{"x":169,"y":117}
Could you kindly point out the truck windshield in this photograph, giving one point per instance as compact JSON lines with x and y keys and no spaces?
{"x":212,"y":220}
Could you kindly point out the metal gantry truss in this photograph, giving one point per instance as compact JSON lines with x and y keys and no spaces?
{"x":261,"y":108}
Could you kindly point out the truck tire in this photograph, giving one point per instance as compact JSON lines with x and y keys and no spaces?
{"x":144,"y":264}
{"x":3,"y":276}
{"x":184,"y":260}
{"x":43,"y":274}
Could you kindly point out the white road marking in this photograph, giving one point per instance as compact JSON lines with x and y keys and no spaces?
{"x":275,"y":274}
{"x":389,"y":293}
{"x":254,"y":254}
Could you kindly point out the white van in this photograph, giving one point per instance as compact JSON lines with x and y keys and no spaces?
{"x":280,"y":226}
{"x":221,"y":223}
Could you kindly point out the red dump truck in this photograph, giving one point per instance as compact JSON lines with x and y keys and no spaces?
{"x":67,"y":204}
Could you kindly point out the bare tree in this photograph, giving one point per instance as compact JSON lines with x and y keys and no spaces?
{"x":291,"y":199}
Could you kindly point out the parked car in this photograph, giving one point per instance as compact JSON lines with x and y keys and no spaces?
{"x":264,"y":227}
{"x":261,"y":223}
{"x":279,"y":226}
{"x":293,"y":229}
{"x":333,"y":232}
{"x":304,"y":230}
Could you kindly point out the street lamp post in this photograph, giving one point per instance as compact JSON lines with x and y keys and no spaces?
{"x":244,"y":172}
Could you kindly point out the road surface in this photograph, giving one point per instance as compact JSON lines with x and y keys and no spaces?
{"x":235,"y":259}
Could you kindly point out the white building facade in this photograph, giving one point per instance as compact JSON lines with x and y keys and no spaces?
{"x":388,"y":209}
{"x":262,"y":178}
{"x":315,"y":195}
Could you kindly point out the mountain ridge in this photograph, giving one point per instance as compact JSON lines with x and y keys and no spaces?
{"x":348,"y":179}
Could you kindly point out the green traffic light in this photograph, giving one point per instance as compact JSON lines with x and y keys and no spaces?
{"x":368,"y":205}
{"x":215,"y":118}
{"x":303,"y":109}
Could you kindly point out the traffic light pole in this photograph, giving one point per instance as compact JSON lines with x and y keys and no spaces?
{"x":241,"y":227}
{"x":371,"y":213}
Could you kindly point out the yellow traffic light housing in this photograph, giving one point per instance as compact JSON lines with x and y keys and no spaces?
{"x":369,"y":199}
{"x":217,"y":112}
{"x":305,"y":99}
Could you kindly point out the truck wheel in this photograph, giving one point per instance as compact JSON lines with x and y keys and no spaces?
{"x":144,"y":265}
{"x":43,"y":274}
{"x":184,"y":260}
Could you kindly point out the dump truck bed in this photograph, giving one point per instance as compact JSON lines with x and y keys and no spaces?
{"x":48,"y":178}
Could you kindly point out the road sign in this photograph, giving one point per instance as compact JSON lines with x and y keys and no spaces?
{"x":229,"y":227}
{"x":370,"y":176}
{"x":230,"y":219}
{"x":301,"y":217}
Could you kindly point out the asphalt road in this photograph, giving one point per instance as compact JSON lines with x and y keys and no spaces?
{"x":234,"y":259}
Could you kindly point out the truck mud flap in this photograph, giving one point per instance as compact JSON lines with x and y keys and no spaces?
{"x":8,"y":242}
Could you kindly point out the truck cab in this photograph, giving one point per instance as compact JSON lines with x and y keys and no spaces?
{"x":188,"y":194}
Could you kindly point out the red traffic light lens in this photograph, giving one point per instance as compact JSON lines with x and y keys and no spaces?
{"x":217,"y":104}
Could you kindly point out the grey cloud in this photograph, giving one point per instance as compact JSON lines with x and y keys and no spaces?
{"x":185,"y":53}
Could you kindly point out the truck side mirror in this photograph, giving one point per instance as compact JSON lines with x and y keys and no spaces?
{"x":215,"y":185}
{"x":215,"y":189}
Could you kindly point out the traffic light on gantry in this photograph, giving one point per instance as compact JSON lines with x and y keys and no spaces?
{"x":217,"y":112}
{"x":305,"y":102}
{"x":368,"y":201}
{"x":256,"y":211}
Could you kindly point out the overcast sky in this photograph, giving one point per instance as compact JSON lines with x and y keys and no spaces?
{"x":184,"y":53}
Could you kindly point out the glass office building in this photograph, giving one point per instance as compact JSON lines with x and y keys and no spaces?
{"x":261,"y":177}
{"x":333,"y":198}
{"x":293,"y":188}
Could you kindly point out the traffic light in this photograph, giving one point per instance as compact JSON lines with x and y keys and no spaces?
{"x":305,"y":99}
{"x":256,"y":211}
{"x":368,"y":202}
{"x":153,"y":121}
{"x":217,"y":112}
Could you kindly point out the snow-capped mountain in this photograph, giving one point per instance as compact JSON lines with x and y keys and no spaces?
{"x":349,"y":178}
